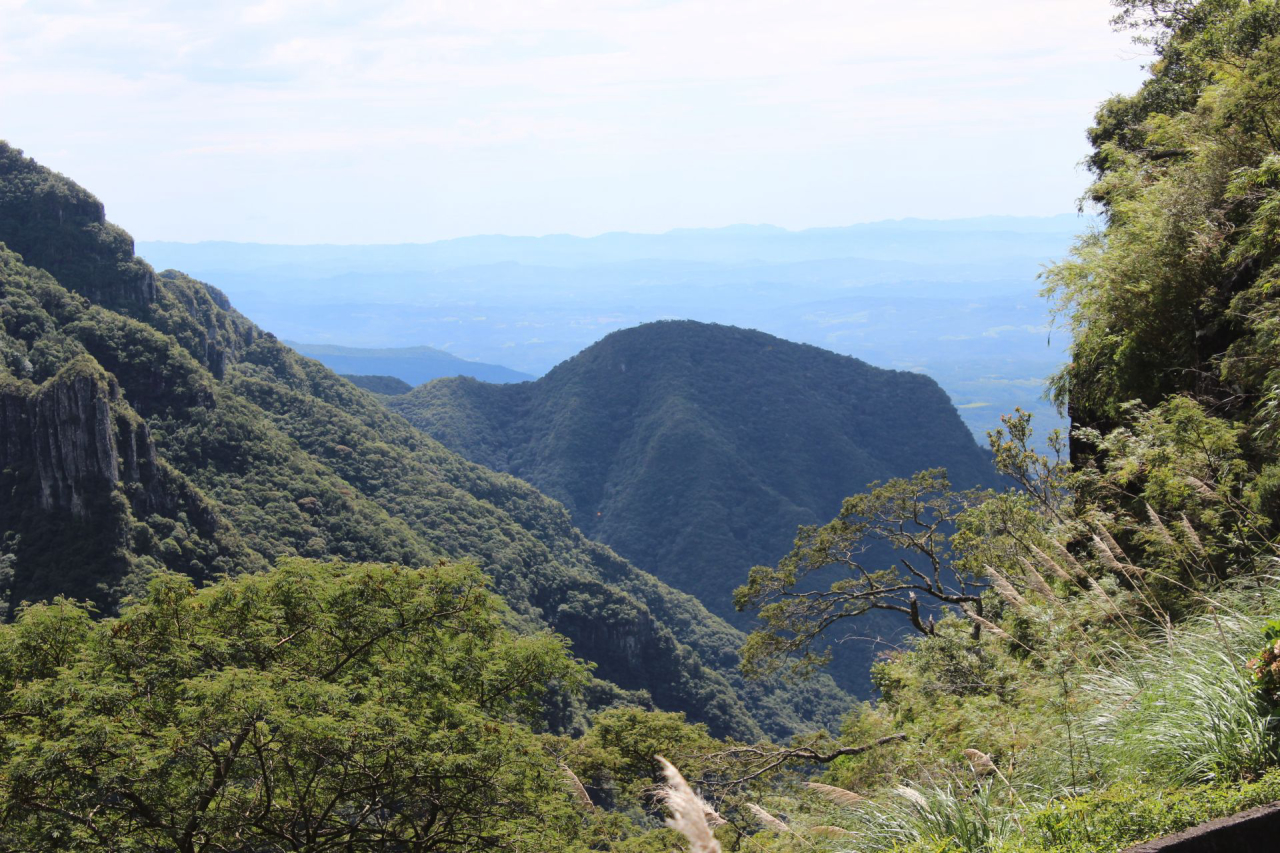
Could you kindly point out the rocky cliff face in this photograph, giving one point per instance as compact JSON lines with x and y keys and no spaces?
{"x":83,"y":488}
{"x":64,"y":432}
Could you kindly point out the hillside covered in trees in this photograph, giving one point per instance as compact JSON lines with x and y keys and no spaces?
{"x":696,"y":450}
{"x":295,"y":646}
{"x":148,"y":426}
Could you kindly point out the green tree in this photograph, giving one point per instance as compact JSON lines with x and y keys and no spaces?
{"x":914,"y":516}
{"x":315,"y":707}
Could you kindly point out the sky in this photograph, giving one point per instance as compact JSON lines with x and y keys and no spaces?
{"x":313,"y":121}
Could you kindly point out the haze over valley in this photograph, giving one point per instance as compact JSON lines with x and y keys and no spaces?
{"x":957,"y":300}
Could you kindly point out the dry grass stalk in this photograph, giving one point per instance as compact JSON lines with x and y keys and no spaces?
{"x":1108,"y":556}
{"x":1006,"y":590}
{"x":995,"y":629}
{"x":1191,"y":534}
{"x":830,"y":831}
{"x":1112,"y":544}
{"x":1135,"y":574}
{"x":688,"y":811}
{"x":767,"y":819}
{"x":913,"y":795}
{"x":839,"y":796}
{"x":1203,"y":488}
{"x":1051,"y":565}
{"x":1037,"y":582}
{"x":1165,"y":536}
{"x":980,"y":761}
{"x":575,"y":784}
{"x":1069,"y":561}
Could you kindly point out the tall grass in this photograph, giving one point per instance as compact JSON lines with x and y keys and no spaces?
{"x":1172,"y":707}
{"x":1182,"y":707}
{"x":973,"y":815}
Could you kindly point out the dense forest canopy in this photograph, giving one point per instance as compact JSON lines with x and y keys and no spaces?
{"x":301,"y":651}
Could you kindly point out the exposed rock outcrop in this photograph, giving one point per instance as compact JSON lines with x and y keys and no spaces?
{"x":82,"y":488}
{"x":65,"y":432}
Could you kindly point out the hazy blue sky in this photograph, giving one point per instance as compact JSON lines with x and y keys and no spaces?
{"x":369,"y":121}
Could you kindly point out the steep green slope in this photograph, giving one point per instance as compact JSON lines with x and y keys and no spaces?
{"x":696,"y":450}
{"x":253,"y":452}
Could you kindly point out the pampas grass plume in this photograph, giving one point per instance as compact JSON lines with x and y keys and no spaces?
{"x":767,"y":819}
{"x":575,"y":784}
{"x":1052,"y":565}
{"x":1037,"y":581}
{"x":839,"y":796}
{"x":688,"y":811}
{"x":911,"y":794}
{"x":1006,"y":590}
{"x":980,"y":761}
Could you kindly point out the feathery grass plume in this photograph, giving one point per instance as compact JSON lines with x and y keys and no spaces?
{"x":1052,"y":566}
{"x":1110,"y":552}
{"x":1006,"y":590}
{"x":912,"y":795}
{"x":1063,"y":554}
{"x":1165,"y":537}
{"x":1203,"y":488}
{"x":688,"y":811}
{"x":575,"y":784}
{"x":980,"y":762}
{"x":1037,"y":581}
{"x":832,"y":832}
{"x":1108,"y":556}
{"x":1112,"y":544}
{"x":713,"y":817}
{"x":839,"y":796}
{"x":995,"y":629}
{"x":1191,"y":534}
{"x":767,"y":819}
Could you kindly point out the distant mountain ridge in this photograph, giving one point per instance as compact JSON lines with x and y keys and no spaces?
{"x":952,"y":240}
{"x":695,"y":450}
{"x":414,"y":365}
{"x":955,"y":299}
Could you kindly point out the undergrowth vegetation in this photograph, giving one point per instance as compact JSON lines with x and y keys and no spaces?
{"x":1096,"y":656}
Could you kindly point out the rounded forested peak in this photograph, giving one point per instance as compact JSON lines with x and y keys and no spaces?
{"x":664,"y":337}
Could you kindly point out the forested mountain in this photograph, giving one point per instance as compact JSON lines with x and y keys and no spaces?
{"x":1099,"y":664}
{"x":148,"y":425}
{"x":414,"y":365}
{"x":696,"y":450}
